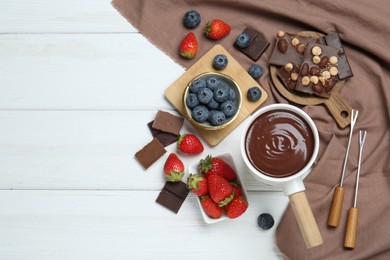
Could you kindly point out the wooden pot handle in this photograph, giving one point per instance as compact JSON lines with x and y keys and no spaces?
{"x":335,"y":210}
{"x":305,"y":218}
{"x":339,"y":109}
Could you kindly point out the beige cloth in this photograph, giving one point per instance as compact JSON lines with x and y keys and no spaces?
{"x":364,"y":27}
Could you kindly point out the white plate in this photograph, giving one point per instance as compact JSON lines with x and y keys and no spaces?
{"x":227,"y":157}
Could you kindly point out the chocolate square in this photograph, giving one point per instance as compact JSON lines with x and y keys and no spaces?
{"x":150,"y":153}
{"x":257,"y":44}
{"x":169,"y":200}
{"x":166,"y":122}
{"x":173,"y":195}
{"x":164,"y":138}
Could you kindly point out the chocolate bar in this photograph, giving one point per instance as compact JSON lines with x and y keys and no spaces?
{"x":319,"y":70}
{"x":289,"y":75}
{"x":173,"y":195}
{"x":258,"y":44}
{"x":166,"y":122}
{"x":164,"y":138}
{"x":150,"y":153}
{"x":290,"y":48}
{"x":333,"y":40}
{"x":344,"y":67}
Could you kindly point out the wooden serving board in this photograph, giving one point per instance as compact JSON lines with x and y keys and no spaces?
{"x":339,"y":109}
{"x":174,"y":93}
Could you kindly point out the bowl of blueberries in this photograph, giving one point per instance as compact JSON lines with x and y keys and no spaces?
{"x":212,"y":100}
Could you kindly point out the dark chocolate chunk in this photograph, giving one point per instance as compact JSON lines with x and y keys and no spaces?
{"x":265,"y":221}
{"x":344,"y":68}
{"x":172,"y":195}
{"x":150,"y":153}
{"x":166,"y":122}
{"x":333,"y":40}
{"x":164,"y":138}
{"x":179,"y":188}
{"x":169,"y":200}
{"x":258,"y":44}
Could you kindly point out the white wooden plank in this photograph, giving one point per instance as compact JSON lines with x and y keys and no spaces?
{"x":90,"y":150}
{"x":128,"y":225}
{"x":103,"y":71}
{"x":54,"y":16}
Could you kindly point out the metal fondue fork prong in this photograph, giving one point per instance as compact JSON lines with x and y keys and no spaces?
{"x":338,"y":196}
{"x":353,"y":213}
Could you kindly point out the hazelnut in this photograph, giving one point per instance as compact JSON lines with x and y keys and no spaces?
{"x":295,"y":41}
{"x":280,"y":34}
{"x":301,"y":48}
{"x":314,"y":71}
{"x":305,"y":80}
{"x":333,"y":71}
{"x":333,"y":60}
{"x":317,"y":88}
{"x":316,"y":59}
{"x":288,"y":67}
{"x":294,"y":76}
{"x":322,"y":80}
{"x":282,"y":45}
{"x":305,"y":69}
{"x":326,"y":74}
{"x":316,"y":50}
{"x":314,"y":79}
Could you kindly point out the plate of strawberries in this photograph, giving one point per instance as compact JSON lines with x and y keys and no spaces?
{"x":218,"y":187}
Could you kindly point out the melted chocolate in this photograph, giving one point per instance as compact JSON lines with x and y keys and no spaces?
{"x":279,"y":143}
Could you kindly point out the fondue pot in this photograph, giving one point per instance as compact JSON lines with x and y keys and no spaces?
{"x":279,"y":146}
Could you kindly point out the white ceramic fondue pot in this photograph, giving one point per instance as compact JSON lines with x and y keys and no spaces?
{"x":293,"y":186}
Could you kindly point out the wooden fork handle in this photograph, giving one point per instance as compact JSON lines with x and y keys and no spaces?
{"x":335,"y":209}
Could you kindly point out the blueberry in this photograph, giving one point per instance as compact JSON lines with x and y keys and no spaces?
{"x":254,"y":94}
{"x":211,"y":113}
{"x":197,"y":84}
{"x":255,"y":71}
{"x":221,"y":93}
{"x":192,"y":100}
{"x":242,"y":40}
{"x":191,"y":19}
{"x":213,"y":104}
{"x":212,"y":83}
{"x":232,"y":95}
{"x":205,"y":95}
{"x":265,"y":221}
{"x":217,"y":118}
{"x":200,"y":113}
{"x":220,"y":62}
{"x":229,"y":108}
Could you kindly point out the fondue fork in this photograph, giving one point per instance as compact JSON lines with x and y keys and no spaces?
{"x":350,"y":233}
{"x":338,"y":196}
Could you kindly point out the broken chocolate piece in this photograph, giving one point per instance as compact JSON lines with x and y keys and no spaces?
{"x":333,"y":40}
{"x":173,"y":195}
{"x":258,"y":44}
{"x":289,"y":75}
{"x":150,"y":153}
{"x":344,"y":68}
{"x":166,"y":122}
{"x":164,"y":138}
{"x":318,"y":71}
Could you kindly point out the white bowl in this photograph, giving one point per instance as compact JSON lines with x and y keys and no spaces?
{"x":227,"y":157}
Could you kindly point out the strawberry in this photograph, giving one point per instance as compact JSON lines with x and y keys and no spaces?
{"x":236,"y":207}
{"x":173,"y":168}
{"x":210,"y":207}
{"x":197,"y":183}
{"x":237,"y":189}
{"x":214,"y":165}
{"x":220,"y":190}
{"x":189,"y":46}
{"x":189,"y":144}
{"x":216,"y":29}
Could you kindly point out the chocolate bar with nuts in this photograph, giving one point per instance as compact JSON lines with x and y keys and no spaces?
{"x":319,"y":70}
{"x":290,"y":48}
{"x":289,"y":75}
{"x":257,"y":44}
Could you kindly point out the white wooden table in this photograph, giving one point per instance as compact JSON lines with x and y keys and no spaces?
{"x":78,"y":84}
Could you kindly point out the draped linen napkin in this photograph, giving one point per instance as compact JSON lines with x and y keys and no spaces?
{"x":364,"y":28}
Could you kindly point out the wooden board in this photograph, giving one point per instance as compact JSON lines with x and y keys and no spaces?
{"x":174,"y":93}
{"x":339,"y":109}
